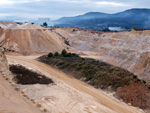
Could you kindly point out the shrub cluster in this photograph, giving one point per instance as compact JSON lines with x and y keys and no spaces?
{"x":25,"y":76}
{"x":97,"y":73}
{"x":63,"y":54}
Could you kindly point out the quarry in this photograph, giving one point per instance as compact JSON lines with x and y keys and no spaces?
{"x":23,"y":44}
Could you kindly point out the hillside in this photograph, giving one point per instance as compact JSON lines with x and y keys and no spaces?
{"x":27,"y":39}
{"x":129,"y":50}
{"x":100,"y":21}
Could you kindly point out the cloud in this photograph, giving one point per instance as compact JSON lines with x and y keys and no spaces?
{"x":111,"y":3}
{"x":6,"y":2}
{"x":60,"y":8}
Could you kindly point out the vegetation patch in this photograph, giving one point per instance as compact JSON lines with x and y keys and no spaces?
{"x":97,"y":73}
{"x":25,"y":76}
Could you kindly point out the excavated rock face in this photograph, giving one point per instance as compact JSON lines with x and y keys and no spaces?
{"x":129,"y":50}
{"x":4,"y":69}
{"x":142,"y":66}
{"x":136,"y":94}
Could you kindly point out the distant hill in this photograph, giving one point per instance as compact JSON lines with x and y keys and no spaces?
{"x":139,"y":18}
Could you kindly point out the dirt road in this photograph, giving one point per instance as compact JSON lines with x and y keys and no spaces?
{"x":99,"y":96}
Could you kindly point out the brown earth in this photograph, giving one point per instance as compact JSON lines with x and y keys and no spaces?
{"x":136,"y":94}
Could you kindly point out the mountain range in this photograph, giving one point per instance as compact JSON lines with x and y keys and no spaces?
{"x":139,"y":18}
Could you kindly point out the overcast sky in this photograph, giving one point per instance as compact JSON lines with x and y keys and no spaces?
{"x":59,"y":8}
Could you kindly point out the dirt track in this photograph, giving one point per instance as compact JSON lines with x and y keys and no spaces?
{"x":12,"y":101}
{"x":99,"y":96}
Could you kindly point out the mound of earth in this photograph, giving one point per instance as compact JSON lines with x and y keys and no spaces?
{"x":30,"y":39}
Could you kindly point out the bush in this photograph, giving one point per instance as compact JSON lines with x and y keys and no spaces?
{"x":56,"y":54}
{"x":64,"y":52}
{"x":69,"y":55}
{"x":134,"y":76}
{"x":50,"y":55}
{"x":45,"y":24}
{"x":144,"y":81}
{"x":75,"y":55}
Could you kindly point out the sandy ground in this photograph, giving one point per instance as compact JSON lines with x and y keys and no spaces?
{"x":12,"y":101}
{"x":69,"y":95}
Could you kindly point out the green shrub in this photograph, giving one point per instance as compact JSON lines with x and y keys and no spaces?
{"x":56,"y":54}
{"x":82,"y":58}
{"x":50,"y":55}
{"x":134,"y":76}
{"x":64,"y":52}
{"x":60,"y":63}
{"x":45,"y":24}
{"x":144,"y":82}
{"x":69,"y":55}
{"x":75,"y":55}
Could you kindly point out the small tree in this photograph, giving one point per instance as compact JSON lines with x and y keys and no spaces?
{"x":56,"y":54}
{"x":45,"y":24}
{"x":50,"y":55}
{"x":64,"y":52}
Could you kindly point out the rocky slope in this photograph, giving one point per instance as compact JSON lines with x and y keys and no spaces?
{"x":130,"y":50}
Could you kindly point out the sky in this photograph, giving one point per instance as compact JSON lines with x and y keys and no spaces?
{"x":54,"y":9}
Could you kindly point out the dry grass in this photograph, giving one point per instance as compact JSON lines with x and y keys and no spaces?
{"x":25,"y":76}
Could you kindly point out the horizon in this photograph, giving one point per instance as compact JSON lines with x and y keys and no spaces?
{"x":55,"y":9}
